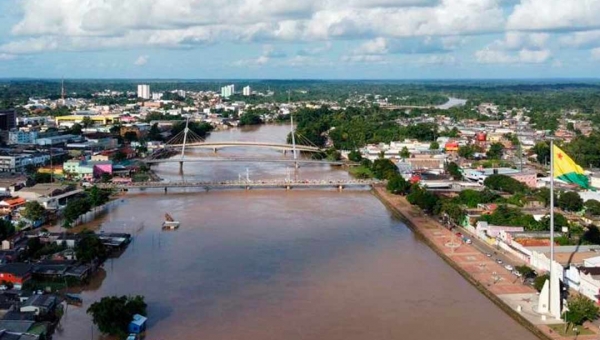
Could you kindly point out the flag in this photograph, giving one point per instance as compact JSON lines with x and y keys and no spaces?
{"x":567,"y":170}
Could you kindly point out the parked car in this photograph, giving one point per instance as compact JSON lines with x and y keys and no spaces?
{"x":488,"y":255}
{"x":509,"y":267}
{"x":499,"y":261}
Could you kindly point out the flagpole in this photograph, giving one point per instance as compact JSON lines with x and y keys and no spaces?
{"x":551,"y":224}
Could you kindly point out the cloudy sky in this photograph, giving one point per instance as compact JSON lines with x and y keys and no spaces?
{"x":348,"y":39}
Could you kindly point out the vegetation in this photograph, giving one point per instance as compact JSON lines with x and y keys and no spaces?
{"x":397,"y":185}
{"x":7,"y":229}
{"x":505,"y":183}
{"x":33,"y":211}
{"x":250,"y":118}
{"x":581,"y":309}
{"x":539,"y":282}
{"x":90,"y":248}
{"x":113,"y":314}
{"x":592,"y":207}
{"x":454,"y":170}
{"x":495,"y":151}
{"x":570,"y":201}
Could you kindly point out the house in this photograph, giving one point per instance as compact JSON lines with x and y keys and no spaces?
{"x":138,"y":324}
{"x":8,"y":205}
{"x":50,"y":195}
{"x":16,"y":273}
{"x":40,"y":304}
{"x":589,"y":283}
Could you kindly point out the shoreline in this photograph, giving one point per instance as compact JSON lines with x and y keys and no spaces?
{"x":402,"y":208}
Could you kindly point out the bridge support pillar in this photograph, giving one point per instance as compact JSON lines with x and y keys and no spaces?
{"x":166,"y":190}
{"x":288,"y":187}
{"x":181,"y":167}
{"x":284,"y":152}
{"x":341,"y":188}
{"x":247,"y":187}
{"x":214,"y":150}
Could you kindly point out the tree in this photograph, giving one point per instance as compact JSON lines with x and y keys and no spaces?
{"x":90,"y":247}
{"x":454,"y":211}
{"x":505,"y":183}
{"x":542,"y":151}
{"x":570,"y":201}
{"x":87,"y":122}
{"x":154,"y":133}
{"x":525,"y":271}
{"x":384,"y":169}
{"x":581,"y":309}
{"x":495,"y":151}
{"x":113,"y":314}
{"x":455,"y":171}
{"x":434,"y":146}
{"x":75,"y":208}
{"x":130,"y":136}
{"x":40,"y":177}
{"x":98,"y":196}
{"x":397,"y":185}
{"x":404,"y":153}
{"x":570,"y":126}
{"x":33,"y":211}
{"x":560,"y":221}
{"x":250,"y":118}
{"x":7,"y":229}
{"x":592,"y":207}
{"x":355,"y":156}
{"x":119,"y":156}
{"x":467,"y":151}
{"x":76,"y":129}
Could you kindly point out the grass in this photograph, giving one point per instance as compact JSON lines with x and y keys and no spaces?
{"x":560,"y":329}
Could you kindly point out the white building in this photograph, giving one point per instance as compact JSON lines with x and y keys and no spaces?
{"x":156,"y":95}
{"x":227,"y":91}
{"x":246,"y":91}
{"x":143,"y":91}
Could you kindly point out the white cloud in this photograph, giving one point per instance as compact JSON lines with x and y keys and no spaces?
{"x":437,"y":59}
{"x":364,"y":59}
{"x":92,"y":24}
{"x":581,"y":39}
{"x":514,"y":41}
{"x":270,"y":52}
{"x":5,"y":56}
{"x":524,"y":56}
{"x":311,"y":51}
{"x":554,"y":15}
{"x":141,"y":60}
{"x":596,"y":53}
{"x":375,"y":46}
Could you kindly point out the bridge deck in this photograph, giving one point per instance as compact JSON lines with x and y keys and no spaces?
{"x":244,"y":184}
{"x":276,"y":146}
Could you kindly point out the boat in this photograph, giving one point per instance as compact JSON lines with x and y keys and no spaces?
{"x":170,"y":223}
{"x":73,"y":299}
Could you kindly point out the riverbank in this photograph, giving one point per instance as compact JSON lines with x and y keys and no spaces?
{"x":490,"y":278}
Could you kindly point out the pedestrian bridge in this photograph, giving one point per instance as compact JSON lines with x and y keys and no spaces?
{"x":245,"y":185}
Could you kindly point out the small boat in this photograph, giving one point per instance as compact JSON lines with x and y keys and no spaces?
{"x":170,"y":223}
{"x":73,"y":299}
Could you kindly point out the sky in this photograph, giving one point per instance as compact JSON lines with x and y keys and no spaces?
{"x":302,"y":39}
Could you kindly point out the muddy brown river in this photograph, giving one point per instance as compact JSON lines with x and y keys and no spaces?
{"x":297,"y":265}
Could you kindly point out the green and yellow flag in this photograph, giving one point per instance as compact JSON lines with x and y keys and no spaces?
{"x":567,"y":170}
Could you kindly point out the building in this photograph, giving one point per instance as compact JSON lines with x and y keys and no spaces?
{"x":8,"y":120}
{"x":16,"y":162}
{"x":40,"y":304}
{"x":143,"y":91}
{"x":138,"y":324}
{"x":246,"y":91}
{"x":227,"y":91}
{"x":97,"y":119}
{"x":16,"y":137}
{"x":528,"y":178}
{"x":49,"y":195}
{"x":16,"y":273}
{"x":87,"y":170}
{"x":157,"y":95}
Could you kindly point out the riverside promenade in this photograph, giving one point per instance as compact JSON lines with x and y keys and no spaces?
{"x":492,"y":279}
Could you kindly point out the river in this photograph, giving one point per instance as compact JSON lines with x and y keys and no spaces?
{"x":263,"y":265}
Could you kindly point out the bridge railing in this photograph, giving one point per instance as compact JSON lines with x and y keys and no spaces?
{"x":241,"y":183}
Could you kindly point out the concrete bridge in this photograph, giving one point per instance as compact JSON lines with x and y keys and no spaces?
{"x":245,"y":160}
{"x":245,"y":185}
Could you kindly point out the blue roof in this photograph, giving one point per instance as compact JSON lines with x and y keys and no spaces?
{"x":139,"y":320}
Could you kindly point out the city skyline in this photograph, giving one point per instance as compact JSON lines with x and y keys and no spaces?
{"x":246,"y":39}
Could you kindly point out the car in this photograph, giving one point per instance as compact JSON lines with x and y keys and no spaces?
{"x":509,"y":267}
{"x":499,"y":261}
{"x":468,"y":241}
{"x":132,"y":336}
{"x":488,"y":255}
